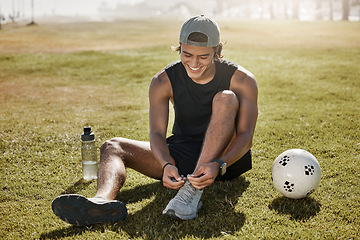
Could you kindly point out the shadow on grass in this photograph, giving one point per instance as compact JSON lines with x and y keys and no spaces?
{"x":70,"y":231}
{"x":217,"y":217}
{"x":298,"y":209}
{"x":78,"y":186}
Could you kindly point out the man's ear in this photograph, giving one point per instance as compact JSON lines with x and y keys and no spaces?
{"x":216,"y":49}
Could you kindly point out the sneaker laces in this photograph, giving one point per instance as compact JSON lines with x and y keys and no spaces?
{"x":186,"y":193}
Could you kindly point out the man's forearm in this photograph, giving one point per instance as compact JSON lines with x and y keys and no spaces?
{"x":159,"y":148}
{"x":237,"y":148}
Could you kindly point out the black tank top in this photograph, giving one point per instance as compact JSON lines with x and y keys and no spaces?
{"x":192,"y":101}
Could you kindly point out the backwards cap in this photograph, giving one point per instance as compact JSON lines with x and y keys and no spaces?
{"x":204,"y":25}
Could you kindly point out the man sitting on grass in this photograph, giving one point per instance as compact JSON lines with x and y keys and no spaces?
{"x":215,"y":104}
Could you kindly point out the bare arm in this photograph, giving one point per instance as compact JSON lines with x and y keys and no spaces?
{"x":244,"y":85}
{"x":160,"y":92}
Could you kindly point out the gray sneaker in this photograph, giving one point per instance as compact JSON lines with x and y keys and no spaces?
{"x":185,"y":204}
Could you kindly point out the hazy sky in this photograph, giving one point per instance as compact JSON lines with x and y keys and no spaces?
{"x":89,"y":9}
{"x":59,"y":7}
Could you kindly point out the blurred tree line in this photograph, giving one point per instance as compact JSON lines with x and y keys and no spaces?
{"x":264,"y":9}
{"x":291,"y":9}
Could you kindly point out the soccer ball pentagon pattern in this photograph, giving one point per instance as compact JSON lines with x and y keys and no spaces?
{"x":295,"y":173}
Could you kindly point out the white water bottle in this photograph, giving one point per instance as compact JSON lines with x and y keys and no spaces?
{"x":88,"y":154}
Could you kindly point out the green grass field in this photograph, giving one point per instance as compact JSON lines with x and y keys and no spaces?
{"x":57,"y":78}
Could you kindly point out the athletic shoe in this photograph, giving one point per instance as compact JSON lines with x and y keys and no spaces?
{"x":81,"y":211}
{"x":185,"y":204}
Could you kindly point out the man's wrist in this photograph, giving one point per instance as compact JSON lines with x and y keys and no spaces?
{"x":163,"y":168}
{"x":222,"y":166}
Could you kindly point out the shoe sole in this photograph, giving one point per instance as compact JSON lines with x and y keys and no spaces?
{"x":79,"y":211}
{"x":171,"y":213}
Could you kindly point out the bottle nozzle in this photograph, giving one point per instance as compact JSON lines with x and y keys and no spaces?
{"x":87,"y":130}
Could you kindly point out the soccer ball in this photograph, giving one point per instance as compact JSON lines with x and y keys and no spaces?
{"x":295,"y":173}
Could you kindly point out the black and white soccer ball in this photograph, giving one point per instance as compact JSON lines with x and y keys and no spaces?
{"x":296,"y":173}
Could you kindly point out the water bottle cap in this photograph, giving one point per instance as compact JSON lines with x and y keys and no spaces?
{"x":87,"y":135}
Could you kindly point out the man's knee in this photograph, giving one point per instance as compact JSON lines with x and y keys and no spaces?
{"x":112,"y":146}
{"x":226,"y":99}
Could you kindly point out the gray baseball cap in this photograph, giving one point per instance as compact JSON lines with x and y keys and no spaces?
{"x":202,"y":25}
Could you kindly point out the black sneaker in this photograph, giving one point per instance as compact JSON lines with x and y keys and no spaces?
{"x":81,"y":211}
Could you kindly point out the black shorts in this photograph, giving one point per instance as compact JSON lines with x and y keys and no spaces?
{"x":186,"y":151}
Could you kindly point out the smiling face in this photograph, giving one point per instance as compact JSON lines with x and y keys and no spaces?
{"x":198,"y":62}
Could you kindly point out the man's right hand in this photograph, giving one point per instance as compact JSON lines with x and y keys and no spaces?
{"x":171,"y":178}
